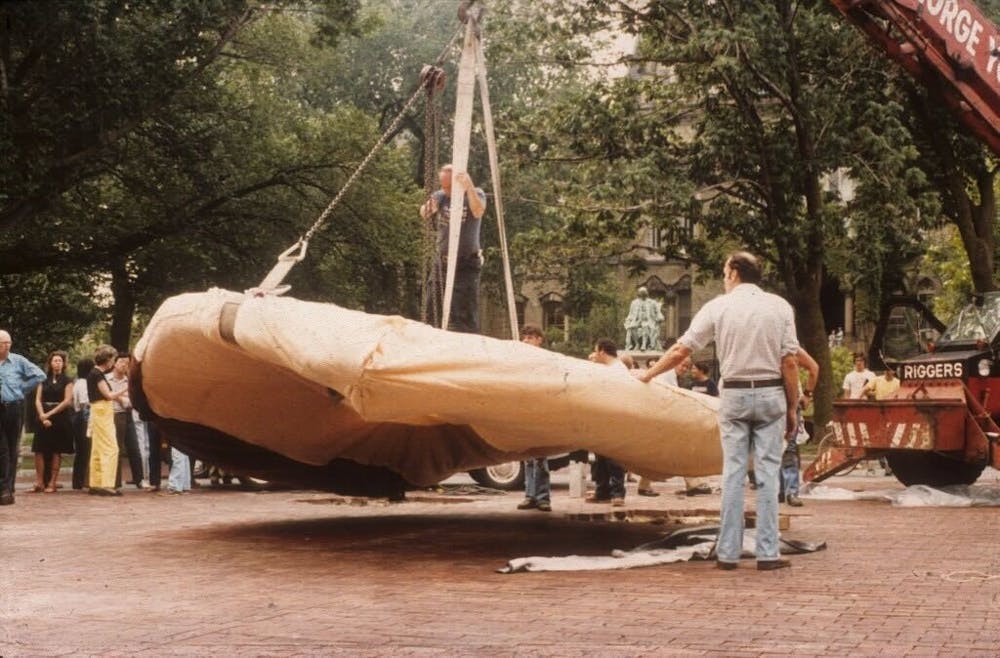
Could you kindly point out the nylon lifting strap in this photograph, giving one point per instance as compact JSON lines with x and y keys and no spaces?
{"x":472,"y":66}
{"x":464,"y":90}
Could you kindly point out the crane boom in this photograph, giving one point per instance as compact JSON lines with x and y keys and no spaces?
{"x":948,"y":45}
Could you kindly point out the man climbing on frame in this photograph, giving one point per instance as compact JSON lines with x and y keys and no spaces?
{"x":469,"y":263}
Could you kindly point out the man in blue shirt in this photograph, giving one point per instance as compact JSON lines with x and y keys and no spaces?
{"x":18,"y":377}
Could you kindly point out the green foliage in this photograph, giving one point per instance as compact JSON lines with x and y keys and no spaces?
{"x":841,"y":363}
{"x":47,"y":310}
{"x":946,"y":261}
{"x":184,"y":145}
{"x":604,"y":320}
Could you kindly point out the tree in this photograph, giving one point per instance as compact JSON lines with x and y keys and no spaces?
{"x":726,"y":133}
{"x":167,"y":146}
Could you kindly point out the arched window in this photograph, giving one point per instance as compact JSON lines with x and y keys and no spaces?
{"x":553,"y":310}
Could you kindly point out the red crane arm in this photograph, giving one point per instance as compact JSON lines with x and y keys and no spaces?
{"x":948,"y":45}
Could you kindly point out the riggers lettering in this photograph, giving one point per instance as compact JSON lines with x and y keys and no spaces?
{"x":933,"y":370}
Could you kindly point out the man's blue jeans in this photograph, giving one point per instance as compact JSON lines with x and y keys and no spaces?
{"x":536,"y":480}
{"x":751,"y":417}
{"x":790,"y":464}
{"x":180,"y":471}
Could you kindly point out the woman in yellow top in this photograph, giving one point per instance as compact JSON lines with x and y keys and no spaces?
{"x":104,"y":445}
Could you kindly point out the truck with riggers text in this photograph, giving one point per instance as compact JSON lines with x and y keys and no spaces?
{"x":940,"y":427}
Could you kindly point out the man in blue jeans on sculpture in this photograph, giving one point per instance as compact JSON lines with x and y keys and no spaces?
{"x":537,"y":488}
{"x":754,"y":333}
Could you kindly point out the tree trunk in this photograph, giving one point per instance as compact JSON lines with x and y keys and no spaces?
{"x":958,"y":173}
{"x":124,"y":306}
{"x":975,"y":225}
{"x":812,"y":336}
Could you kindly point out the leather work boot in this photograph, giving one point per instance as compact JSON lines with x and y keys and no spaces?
{"x":794,"y":501}
{"x":771,"y":565}
{"x":527,"y":503}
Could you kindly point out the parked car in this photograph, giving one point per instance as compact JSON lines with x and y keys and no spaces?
{"x":509,"y":476}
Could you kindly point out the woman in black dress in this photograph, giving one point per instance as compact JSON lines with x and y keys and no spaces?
{"x":54,"y":404}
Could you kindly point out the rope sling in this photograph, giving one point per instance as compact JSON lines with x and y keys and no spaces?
{"x":472,"y":68}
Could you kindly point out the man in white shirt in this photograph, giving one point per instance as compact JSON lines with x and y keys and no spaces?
{"x":754,"y":333}
{"x":856,"y":380}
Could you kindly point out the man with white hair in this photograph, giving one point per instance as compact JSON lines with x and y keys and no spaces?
{"x":18,"y":377}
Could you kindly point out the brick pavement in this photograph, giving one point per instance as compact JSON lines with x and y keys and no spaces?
{"x":292,"y":574}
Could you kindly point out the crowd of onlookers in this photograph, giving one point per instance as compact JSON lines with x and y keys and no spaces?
{"x":89,"y":416}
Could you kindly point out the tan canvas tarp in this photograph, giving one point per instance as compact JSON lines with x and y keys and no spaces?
{"x":420,"y":401}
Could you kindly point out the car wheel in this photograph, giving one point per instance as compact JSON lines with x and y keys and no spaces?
{"x":508,"y":476}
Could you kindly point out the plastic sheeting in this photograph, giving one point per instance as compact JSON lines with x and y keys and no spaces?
{"x":918,"y":495}
{"x":681,"y":546}
{"x":316,"y":382}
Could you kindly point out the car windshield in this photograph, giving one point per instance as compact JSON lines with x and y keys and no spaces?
{"x":975,"y":322}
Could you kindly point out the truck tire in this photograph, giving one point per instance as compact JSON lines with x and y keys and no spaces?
{"x":932,"y":468}
{"x":508,"y":476}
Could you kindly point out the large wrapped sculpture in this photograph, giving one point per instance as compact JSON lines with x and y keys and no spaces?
{"x":320,"y":396}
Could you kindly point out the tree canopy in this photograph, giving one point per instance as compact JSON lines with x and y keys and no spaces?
{"x":151,"y":148}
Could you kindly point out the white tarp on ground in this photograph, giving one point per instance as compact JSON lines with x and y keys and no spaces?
{"x":696,"y":547}
{"x":420,"y":401}
{"x":918,"y":495}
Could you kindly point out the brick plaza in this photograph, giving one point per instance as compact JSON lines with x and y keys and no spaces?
{"x":293,"y":573}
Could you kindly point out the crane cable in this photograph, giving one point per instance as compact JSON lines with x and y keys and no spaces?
{"x":472,"y":67}
{"x":430,"y":76}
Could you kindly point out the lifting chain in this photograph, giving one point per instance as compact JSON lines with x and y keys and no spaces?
{"x":431,"y":78}
{"x":430,"y":264}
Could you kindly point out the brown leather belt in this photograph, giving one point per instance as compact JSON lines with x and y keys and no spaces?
{"x":752,"y":383}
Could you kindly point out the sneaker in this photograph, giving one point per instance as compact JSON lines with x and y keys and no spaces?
{"x":527,"y":503}
{"x":544,"y":506}
{"x":794,"y":501}
{"x":618,"y":502}
{"x":771,"y":565}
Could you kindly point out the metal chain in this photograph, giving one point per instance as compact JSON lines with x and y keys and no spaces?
{"x":432,"y":131}
{"x":429,"y":76}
